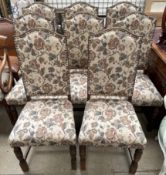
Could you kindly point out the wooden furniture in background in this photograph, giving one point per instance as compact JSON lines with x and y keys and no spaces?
{"x":155,"y":8}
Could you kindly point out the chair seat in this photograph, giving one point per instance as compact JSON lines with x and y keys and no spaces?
{"x":111,"y":123}
{"x":17,"y":95}
{"x":44,"y":122}
{"x":145,"y":93}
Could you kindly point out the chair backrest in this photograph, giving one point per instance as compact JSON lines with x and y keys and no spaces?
{"x":81,"y":7}
{"x":141,"y":25}
{"x":30,"y":21}
{"x":113,"y":57}
{"x":77,"y":31}
{"x":119,"y":11}
{"x":43,"y":63}
{"x":40,"y":9}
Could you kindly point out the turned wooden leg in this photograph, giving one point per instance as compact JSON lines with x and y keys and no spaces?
{"x":134,"y":163}
{"x":73,"y":157}
{"x":82,"y":151}
{"x":19,"y":155}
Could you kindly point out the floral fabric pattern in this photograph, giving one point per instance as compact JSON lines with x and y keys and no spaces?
{"x":81,"y":7}
{"x":118,"y":12}
{"x":44,"y":122}
{"x":17,"y":95}
{"x":77,"y":30}
{"x":145,"y":93}
{"x":44,"y":63}
{"x":113,"y":57}
{"x":141,"y":25}
{"x":111,"y":123}
{"x":78,"y":86}
{"x":40,"y":9}
{"x":28,"y":22}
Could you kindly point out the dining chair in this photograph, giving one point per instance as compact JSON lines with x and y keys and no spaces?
{"x":47,"y":117}
{"x":109,"y":117}
{"x":162,"y":140}
{"x":145,"y":93}
{"x":119,"y":11}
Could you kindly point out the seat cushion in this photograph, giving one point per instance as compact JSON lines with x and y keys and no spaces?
{"x":78,"y":86}
{"x":111,"y":123}
{"x":44,"y":122}
{"x":17,"y":95}
{"x":145,"y":93}
{"x":78,"y":89}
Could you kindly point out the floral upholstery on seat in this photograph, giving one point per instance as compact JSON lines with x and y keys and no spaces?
{"x":145,"y":93}
{"x":118,"y":12}
{"x":44,"y":122}
{"x":17,"y":95}
{"x":40,"y":9}
{"x":44,"y":62}
{"x":30,"y":21}
{"x":78,"y":86}
{"x":77,"y":30}
{"x":111,"y":123}
{"x":81,"y":7}
{"x":140,"y":25}
{"x":113,"y":57}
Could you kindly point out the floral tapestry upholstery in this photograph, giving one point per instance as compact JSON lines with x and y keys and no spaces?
{"x":44,"y":122}
{"x":78,"y":86}
{"x":141,"y":25}
{"x":113,"y":57}
{"x":111,"y":123}
{"x":30,"y":21}
{"x":118,"y":12}
{"x":145,"y":93}
{"x":17,"y":95}
{"x":40,"y":9}
{"x":44,"y":63}
{"x":77,"y":30}
{"x":81,"y":7}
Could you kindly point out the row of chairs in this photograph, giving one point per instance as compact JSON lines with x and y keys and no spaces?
{"x":47,"y":118}
{"x":76,"y":29}
{"x":95,"y":78}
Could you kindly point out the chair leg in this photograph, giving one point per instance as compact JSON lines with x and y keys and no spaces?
{"x":134,"y":164}
{"x":73,"y":152}
{"x":9,"y":112}
{"x":19,"y":155}
{"x":82,"y":151}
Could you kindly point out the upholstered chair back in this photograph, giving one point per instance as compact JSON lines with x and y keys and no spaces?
{"x":113,"y":57}
{"x":77,"y":31}
{"x":44,"y":64}
{"x":81,"y":7}
{"x":40,"y":9}
{"x":118,"y":12}
{"x":31,"y":21}
{"x":141,"y":25}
